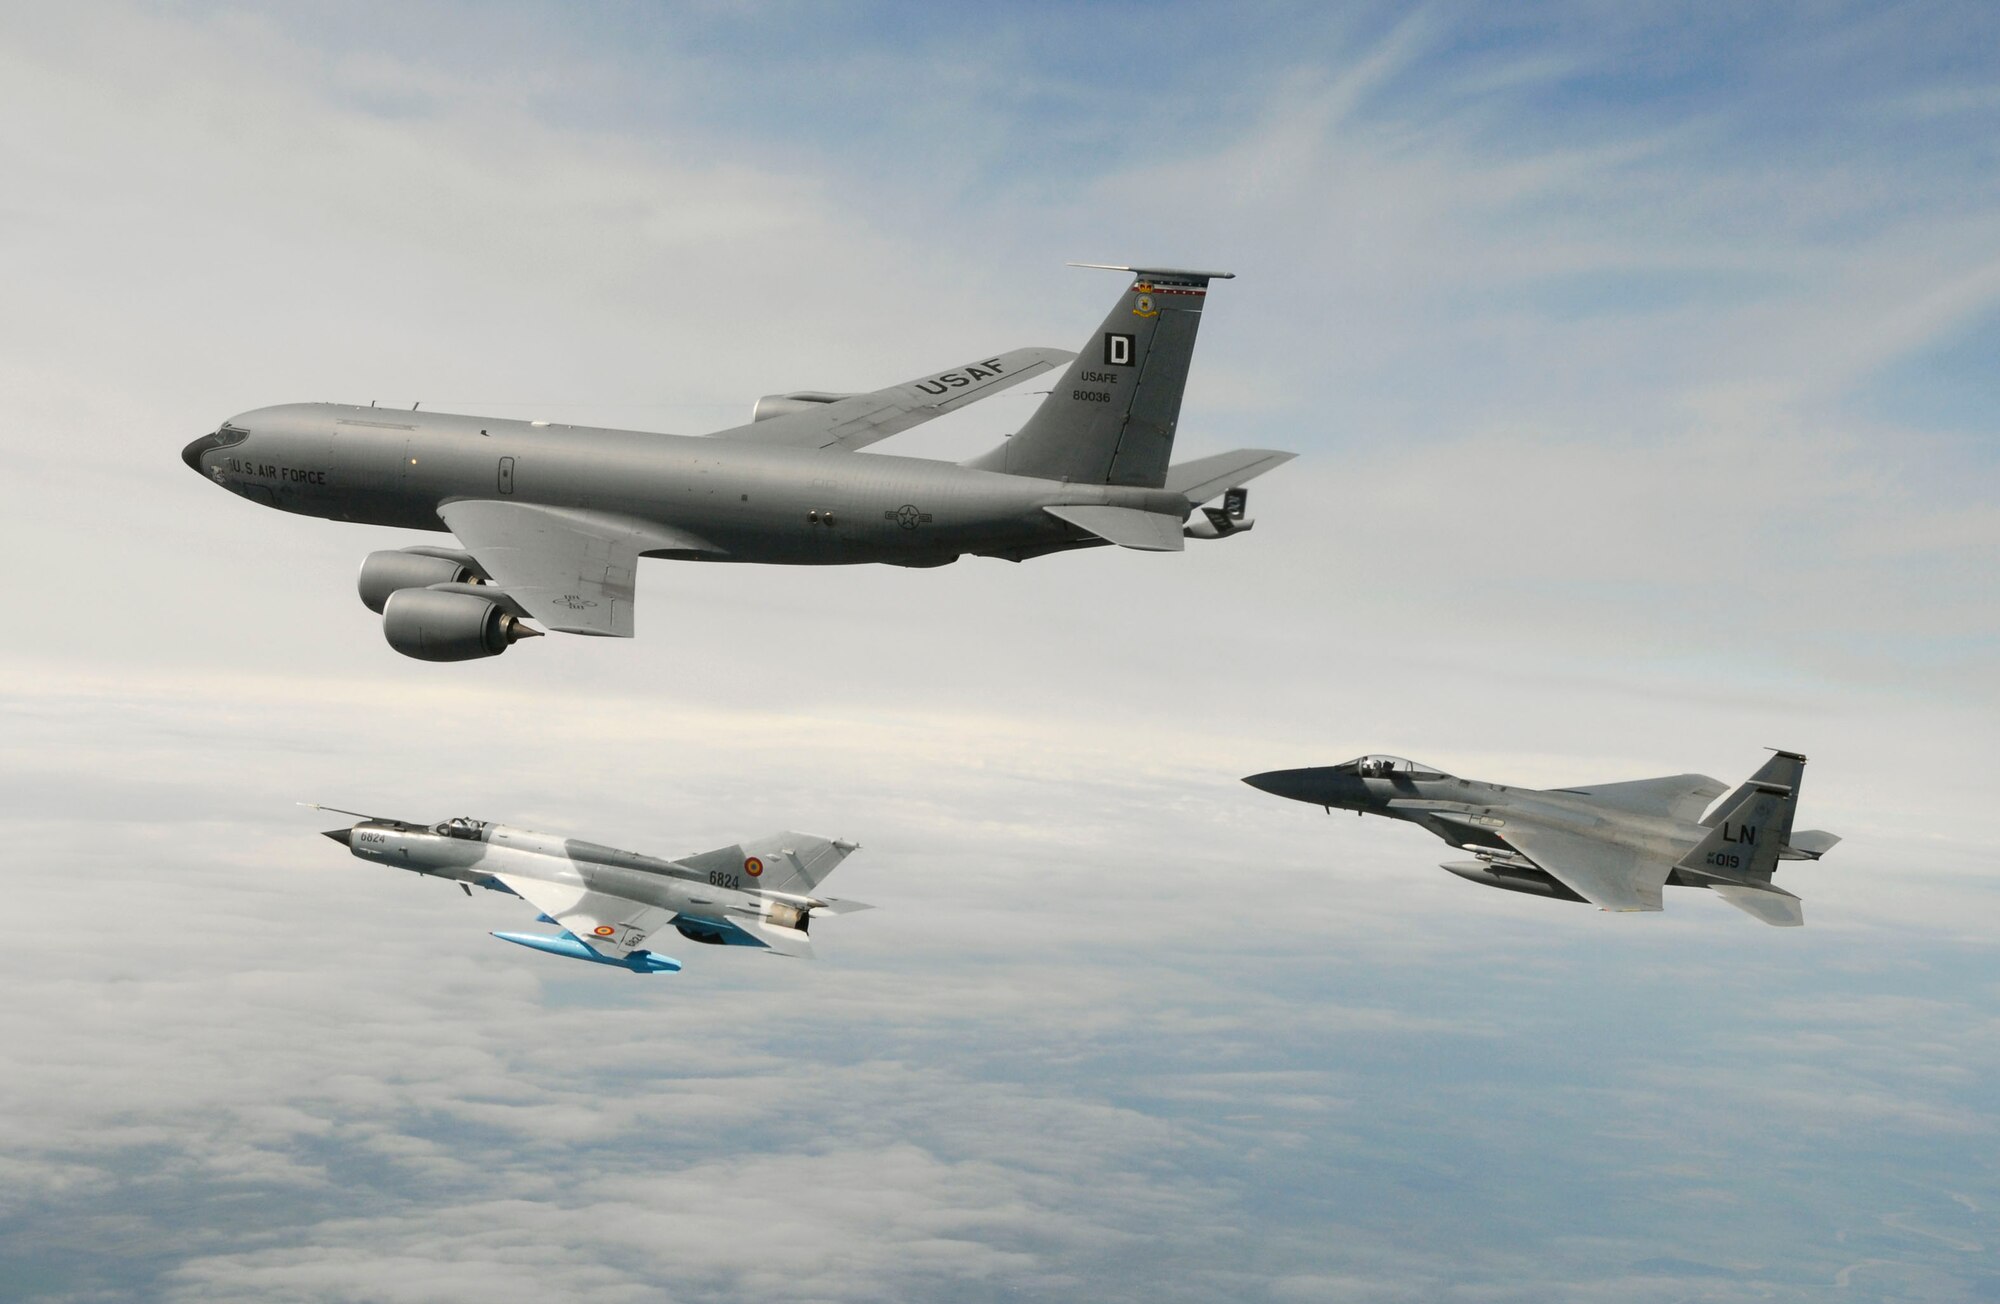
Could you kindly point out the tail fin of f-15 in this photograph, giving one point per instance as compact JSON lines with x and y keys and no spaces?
{"x":1786,"y":769}
{"x":1743,"y":845}
{"x":1783,"y":768}
{"x":1737,"y":857}
{"x":1111,"y":418}
{"x":1749,"y":831}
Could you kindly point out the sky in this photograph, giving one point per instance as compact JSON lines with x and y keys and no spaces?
{"x":1638,"y":358}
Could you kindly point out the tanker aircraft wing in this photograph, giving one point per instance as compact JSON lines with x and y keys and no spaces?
{"x":569,"y":568}
{"x":848,"y":422}
{"x":1603,"y":873}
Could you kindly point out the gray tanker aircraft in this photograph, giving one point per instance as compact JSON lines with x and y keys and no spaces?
{"x":554,"y":518}
{"x":609,"y":903}
{"x":1613,"y":844}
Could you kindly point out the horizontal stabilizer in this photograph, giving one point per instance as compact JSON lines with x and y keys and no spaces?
{"x":1128,"y":527}
{"x":1205,"y":477}
{"x":1773,"y":905}
{"x":836,"y":906}
{"x":1809,"y":844}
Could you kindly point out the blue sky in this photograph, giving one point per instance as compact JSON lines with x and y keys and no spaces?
{"x":1639,"y":362}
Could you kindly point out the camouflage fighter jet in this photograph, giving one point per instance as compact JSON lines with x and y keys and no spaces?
{"x":1613,"y":844}
{"x":610,"y":903}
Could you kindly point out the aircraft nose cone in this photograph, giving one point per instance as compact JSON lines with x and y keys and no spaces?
{"x":345,"y":837}
{"x":1295,"y":784}
{"x":192,"y":453}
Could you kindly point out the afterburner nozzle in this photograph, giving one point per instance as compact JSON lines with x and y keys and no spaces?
{"x":345,"y":837}
{"x":569,"y":947}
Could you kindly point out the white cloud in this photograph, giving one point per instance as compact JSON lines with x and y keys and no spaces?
{"x":1121,"y":1026}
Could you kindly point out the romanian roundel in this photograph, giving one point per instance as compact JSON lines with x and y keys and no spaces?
{"x":753,"y":866}
{"x":604,"y":930}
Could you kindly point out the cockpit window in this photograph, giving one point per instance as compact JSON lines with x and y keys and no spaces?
{"x":227,"y":434}
{"x":1389,"y":767}
{"x":469,"y":829}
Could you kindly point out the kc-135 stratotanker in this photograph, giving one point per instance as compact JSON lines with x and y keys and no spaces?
{"x":1614,"y":844}
{"x":609,"y":903}
{"x":553,"y":518}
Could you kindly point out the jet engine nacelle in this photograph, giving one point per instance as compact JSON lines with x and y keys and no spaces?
{"x":800,"y":400}
{"x":384,"y":573}
{"x":440,"y":625}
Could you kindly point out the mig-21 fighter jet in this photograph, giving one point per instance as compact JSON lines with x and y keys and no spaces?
{"x":608,"y":903}
{"x":1614,"y":844}
{"x":551,"y":520}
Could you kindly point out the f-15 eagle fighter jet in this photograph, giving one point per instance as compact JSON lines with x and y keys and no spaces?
{"x":608,"y":903}
{"x":552,"y":519}
{"x":1614,"y":844}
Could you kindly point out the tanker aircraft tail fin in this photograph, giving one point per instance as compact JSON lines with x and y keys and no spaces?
{"x":1111,"y":418}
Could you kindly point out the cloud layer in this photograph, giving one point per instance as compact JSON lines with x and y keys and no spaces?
{"x":1596,"y":334}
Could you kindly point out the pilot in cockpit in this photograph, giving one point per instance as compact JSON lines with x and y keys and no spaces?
{"x":1390,"y":767}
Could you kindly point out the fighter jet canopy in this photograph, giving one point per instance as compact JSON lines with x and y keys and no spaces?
{"x":461,"y":827}
{"x":1388,"y":767}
